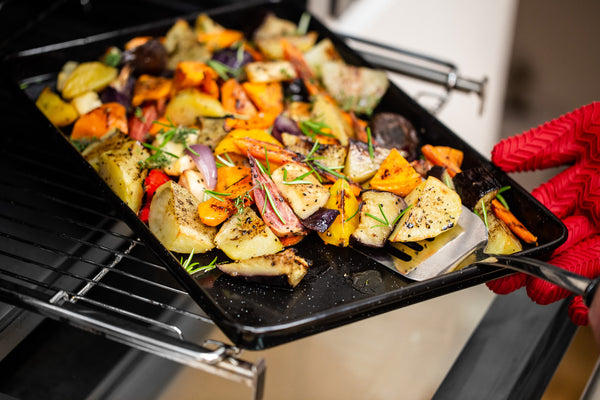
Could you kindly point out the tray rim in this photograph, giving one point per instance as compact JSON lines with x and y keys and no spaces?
{"x":260,"y":337}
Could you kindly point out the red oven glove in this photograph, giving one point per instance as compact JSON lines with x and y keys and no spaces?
{"x":573,"y":195}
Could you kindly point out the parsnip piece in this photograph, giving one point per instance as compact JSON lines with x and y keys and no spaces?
{"x":304,"y":198}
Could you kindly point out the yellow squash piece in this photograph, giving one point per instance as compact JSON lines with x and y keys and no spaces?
{"x":341,"y":199}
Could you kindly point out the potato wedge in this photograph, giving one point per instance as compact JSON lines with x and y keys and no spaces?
{"x":378,"y":213}
{"x":434,"y":208}
{"x":271,"y":46}
{"x":58,"y":111}
{"x":174,"y":220}
{"x":190,"y":104}
{"x":270,"y":71}
{"x":304,"y":198}
{"x":245,"y":235}
{"x":319,"y":54}
{"x":120,"y":170}
{"x":88,"y":76}
{"x":330,"y":155}
{"x":113,"y":140}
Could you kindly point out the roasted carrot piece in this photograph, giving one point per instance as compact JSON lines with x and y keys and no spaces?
{"x":292,"y":54}
{"x":512,"y":222}
{"x":396,"y":175}
{"x":215,"y":211}
{"x":262,"y":150}
{"x":100,"y":121}
{"x":262,"y":120}
{"x":220,"y":39}
{"x":227,"y":176}
{"x":235,"y":100}
{"x":150,"y":88}
{"x":444,"y":156}
{"x":291,"y":240}
{"x":359,"y":126}
{"x":256,"y":55}
{"x":266,"y":96}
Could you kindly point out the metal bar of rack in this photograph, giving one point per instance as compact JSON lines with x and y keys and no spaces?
{"x":73,"y":260}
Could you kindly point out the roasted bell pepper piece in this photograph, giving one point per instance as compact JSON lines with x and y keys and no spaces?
{"x":396,"y":175}
{"x":343,"y":200}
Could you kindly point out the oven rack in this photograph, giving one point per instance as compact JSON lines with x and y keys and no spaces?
{"x":66,"y":255}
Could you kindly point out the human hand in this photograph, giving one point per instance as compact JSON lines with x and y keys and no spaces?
{"x":573,"y":195}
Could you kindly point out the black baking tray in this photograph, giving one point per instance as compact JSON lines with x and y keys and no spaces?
{"x":342,"y":285}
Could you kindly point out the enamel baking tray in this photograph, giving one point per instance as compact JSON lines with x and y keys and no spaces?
{"x":342,"y":285}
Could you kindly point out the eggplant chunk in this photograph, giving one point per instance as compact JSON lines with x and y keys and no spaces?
{"x":442,"y":174}
{"x":359,"y":164}
{"x":394,"y":131}
{"x":246,"y":236}
{"x":282,"y":269}
{"x":474,"y":185}
{"x":500,"y":238}
{"x":434,"y":208}
{"x":376,"y":207}
{"x":304,"y":198}
{"x":174,"y":220}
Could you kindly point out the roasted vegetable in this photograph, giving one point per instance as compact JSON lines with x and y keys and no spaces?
{"x":100,"y":121}
{"x":175,"y":222}
{"x":321,"y":220}
{"x":194,"y":182}
{"x":321,"y":53}
{"x":500,"y":238}
{"x":341,"y":199}
{"x":270,"y":71}
{"x":284,"y":269}
{"x":434,"y":208}
{"x":273,"y":208}
{"x":228,"y":144}
{"x":474,"y":185}
{"x":300,"y":189}
{"x":360,"y":165}
{"x":378,"y":215}
{"x":181,"y":45}
{"x":512,"y":222}
{"x":58,"y":111}
{"x":86,"y":77}
{"x":331,"y":116}
{"x":245,"y":236}
{"x":210,"y":131}
{"x":272,"y":48}
{"x":113,"y":140}
{"x":357,"y":89}
{"x":190,"y":104}
{"x":86,"y":102}
{"x":442,"y":174}
{"x":329,"y":155}
{"x":148,"y":58}
{"x":445,"y":156}
{"x":119,"y":168}
{"x":392,"y":130}
{"x":235,"y":100}
{"x":396,"y":175}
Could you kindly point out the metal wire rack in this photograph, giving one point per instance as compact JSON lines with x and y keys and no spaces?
{"x":66,"y":255}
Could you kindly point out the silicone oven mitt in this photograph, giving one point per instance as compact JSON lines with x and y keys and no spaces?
{"x":573,"y":195}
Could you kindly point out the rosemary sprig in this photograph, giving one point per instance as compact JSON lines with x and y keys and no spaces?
{"x":501,"y":198}
{"x":174,"y":133}
{"x":188,"y":265}
{"x":383,"y":222}
{"x":271,"y":201}
{"x":224,"y":163}
{"x":484,"y":217}
{"x":314,"y":128}
{"x":303,"y":24}
{"x":401,"y":214}
{"x":370,"y":143}
{"x":239,"y":202}
{"x":215,"y":195}
{"x":298,"y":180}
{"x":353,"y":215}
{"x":224,"y":71}
{"x":267,"y":161}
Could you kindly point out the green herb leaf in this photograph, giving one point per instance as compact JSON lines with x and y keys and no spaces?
{"x":314,"y":128}
{"x":188,"y":265}
{"x":370,"y":143}
{"x":401,"y":214}
{"x":353,"y":215}
{"x":215,"y":195}
{"x":303,"y":24}
{"x":383,"y":222}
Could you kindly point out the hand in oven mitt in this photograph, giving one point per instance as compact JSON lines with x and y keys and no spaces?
{"x":573,"y":195}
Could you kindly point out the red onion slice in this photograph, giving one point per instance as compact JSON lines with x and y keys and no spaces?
{"x":205,"y":162}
